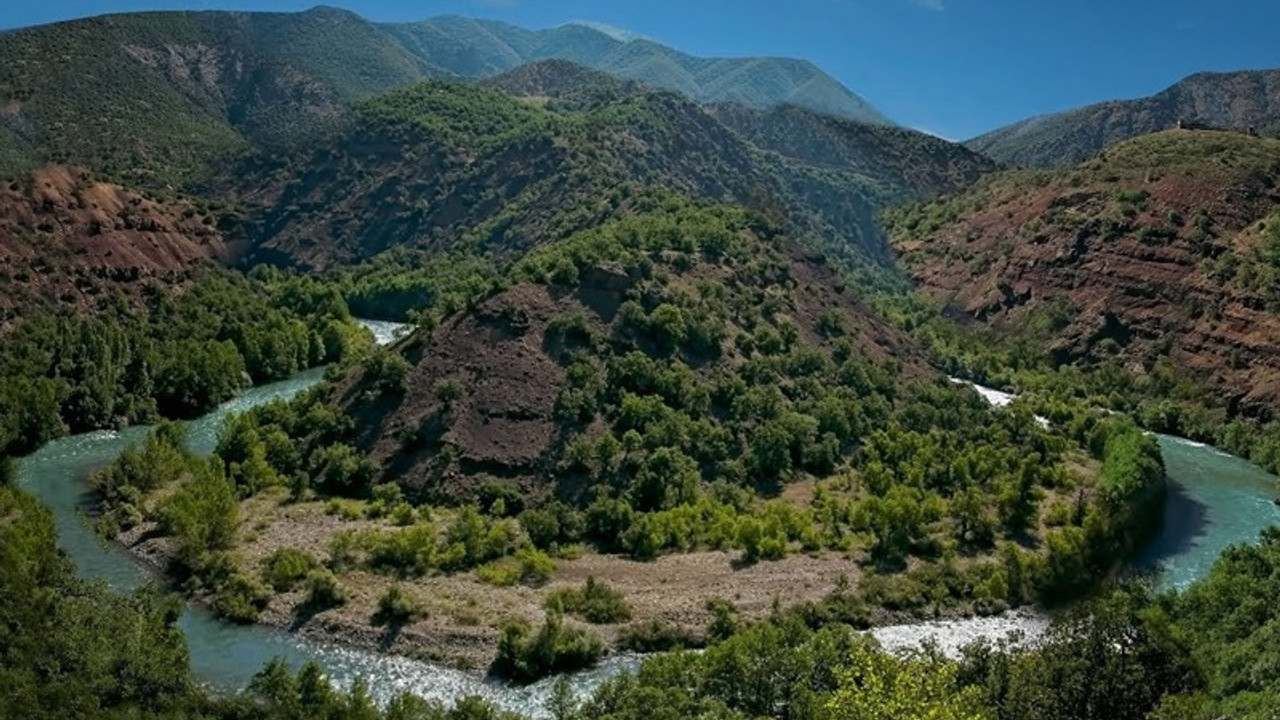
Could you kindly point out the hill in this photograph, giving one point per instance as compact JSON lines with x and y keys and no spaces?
{"x":478,"y":48}
{"x":1235,"y":101}
{"x":442,"y":165}
{"x":68,"y":240}
{"x":1161,"y":251}
{"x":512,"y":353}
{"x":913,"y":161}
{"x":155,"y":98}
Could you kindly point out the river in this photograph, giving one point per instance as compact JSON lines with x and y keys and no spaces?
{"x":1215,"y":500}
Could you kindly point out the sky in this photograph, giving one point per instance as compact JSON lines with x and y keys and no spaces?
{"x":954,"y":68}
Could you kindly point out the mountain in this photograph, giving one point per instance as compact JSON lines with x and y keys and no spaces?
{"x":163,"y":99}
{"x":1161,"y":252}
{"x":155,"y":98}
{"x":478,"y":48}
{"x":441,"y":165}
{"x":1237,"y":101}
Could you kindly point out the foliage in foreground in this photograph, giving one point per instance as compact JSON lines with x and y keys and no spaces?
{"x":1204,"y":654}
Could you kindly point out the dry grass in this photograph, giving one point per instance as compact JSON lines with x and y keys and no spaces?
{"x":462,"y":616}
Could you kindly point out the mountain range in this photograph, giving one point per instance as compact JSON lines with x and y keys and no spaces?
{"x":505,"y":160}
{"x":171,"y":92}
{"x":321,"y":141}
{"x":477,"y":48}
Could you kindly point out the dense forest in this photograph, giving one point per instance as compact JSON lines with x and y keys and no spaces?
{"x":177,"y":355}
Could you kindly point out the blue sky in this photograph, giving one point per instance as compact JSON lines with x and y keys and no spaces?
{"x":952,"y":67}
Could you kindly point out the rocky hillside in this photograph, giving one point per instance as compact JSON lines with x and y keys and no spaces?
{"x":1237,"y":101}
{"x":479,"y":48}
{"x":1164,"y":248}
{"x":508,"y":384}
{"x":68,"y":239}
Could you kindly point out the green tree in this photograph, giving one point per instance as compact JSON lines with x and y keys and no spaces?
{"x":873,"y":685}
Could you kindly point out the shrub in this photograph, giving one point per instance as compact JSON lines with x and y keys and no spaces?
{"x":724,"y":621}
{"x":404,"y":553}
{"x":324,"y":591}
{"x":542,"y":527}
{"x":525,"y":656}
{"x":387,"y":371}
{"x":395,"y":607}
{"x":404,"y":515}
{"x":529,"y":566}
{"x":241,"y":599}
{"x":203,"y":514}
{"x":385,"y":500}
{"x":596,"y":602}
{"x":343,"y":469}
{"x":449,"y":391}
{"x":286,"y":567}
{"x":656,"y":636}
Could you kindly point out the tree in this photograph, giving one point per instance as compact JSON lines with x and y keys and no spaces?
{"x":196,"y":375}
{"x":667,"y":327}
{"x":897,"y":520}
{"x":203,"y":513}
{"x":667,"y":477}
{"x":873,"y":685}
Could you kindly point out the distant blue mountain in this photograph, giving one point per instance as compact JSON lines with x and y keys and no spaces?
{"x":473,"y":48}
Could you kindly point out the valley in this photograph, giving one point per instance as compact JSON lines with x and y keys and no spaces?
{"x":659,"y":402}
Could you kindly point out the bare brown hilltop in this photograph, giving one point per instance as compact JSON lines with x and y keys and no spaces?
{"x":68,"y":238}
{"x":1161,"y":247}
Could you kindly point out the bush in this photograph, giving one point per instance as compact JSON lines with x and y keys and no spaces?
{"x":529,"y":566}
{"x":286,"y":567}
{"x":596,"y":602}
{"x":542,"y":527}
{"x":656,"y":636}
{"x":324,"y":591}
{"x":241,"y":599}
{"x":386,"y":500}
{"x":724,"y":621}
{"x":395,"y":608}
{"x":344,"y":470}
{"x":202,"y":515}
{"x":387,"y":371}
{"x":449,"y":391}
{"x":525,"y":656}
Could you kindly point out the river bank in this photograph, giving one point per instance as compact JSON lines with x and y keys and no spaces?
{"x":1220,"y":500}
{"x":462,"y":616}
